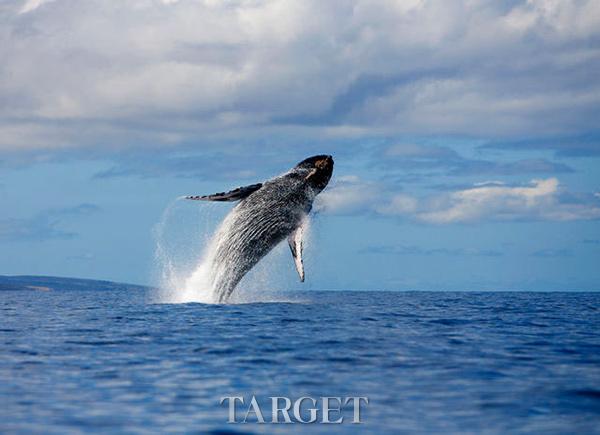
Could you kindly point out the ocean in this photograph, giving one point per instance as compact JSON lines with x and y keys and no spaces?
{"x":113,"y":361}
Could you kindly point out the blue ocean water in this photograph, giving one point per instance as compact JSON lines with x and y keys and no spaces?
{"x":113,"y":361}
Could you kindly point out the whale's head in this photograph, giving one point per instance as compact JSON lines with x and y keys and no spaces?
{"x":316,"y":171}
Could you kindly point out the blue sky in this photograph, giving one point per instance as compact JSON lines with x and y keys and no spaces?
{"x":465,"y":135}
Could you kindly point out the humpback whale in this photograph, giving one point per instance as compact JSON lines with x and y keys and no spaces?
{"x":266,"y":214}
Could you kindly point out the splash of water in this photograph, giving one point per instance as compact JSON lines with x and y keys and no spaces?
{"x":199,"y":285}
{"x":180,"y":238}
{"x":184,"y":256}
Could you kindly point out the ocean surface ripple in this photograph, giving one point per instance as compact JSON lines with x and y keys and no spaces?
{"x":111,"y":361}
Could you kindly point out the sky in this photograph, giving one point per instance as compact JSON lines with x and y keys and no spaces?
{"x":465,"y":136}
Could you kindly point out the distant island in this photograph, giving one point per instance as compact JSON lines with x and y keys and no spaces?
{"x":52,"y":283}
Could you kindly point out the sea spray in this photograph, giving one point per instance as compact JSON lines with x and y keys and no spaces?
{"x":199,"y":285}
{"x":186,"y":240}
{"x":181,"y":238}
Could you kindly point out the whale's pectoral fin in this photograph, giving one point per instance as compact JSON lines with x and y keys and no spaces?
{"x":232,"y":195}
{"x":295,"y":242}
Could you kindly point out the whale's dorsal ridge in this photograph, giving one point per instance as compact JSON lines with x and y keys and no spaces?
{"x":233,"y":195}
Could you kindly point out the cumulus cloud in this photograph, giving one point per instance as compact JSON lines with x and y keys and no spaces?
{"x":542,"y":199}
{"x":31,"y":5}
{"x":348,"y":195}
{"x":120,"y":74}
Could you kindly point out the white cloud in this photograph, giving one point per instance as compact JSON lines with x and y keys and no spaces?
{"x":206,"y":68}
{"x":400,"y":204}
{"x":498,"y":202}
{"x":542,"y":199}
{"x":563,"y":17}
{"x":31,"y":5}
{"x":348,"y":195}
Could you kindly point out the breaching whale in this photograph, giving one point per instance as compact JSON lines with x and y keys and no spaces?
{"x":267,"y":213}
